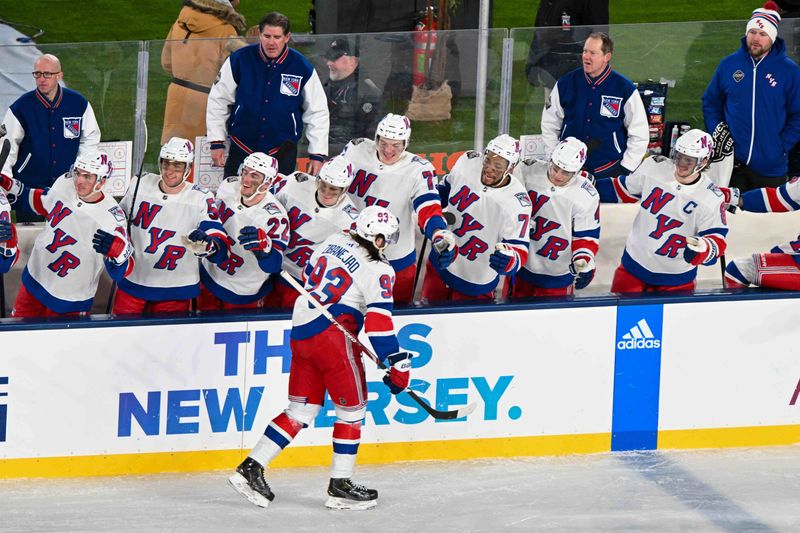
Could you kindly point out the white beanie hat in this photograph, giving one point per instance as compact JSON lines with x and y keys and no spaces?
{"x":766,"y":20}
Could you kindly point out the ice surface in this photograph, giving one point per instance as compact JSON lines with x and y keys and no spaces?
{"x":754,"y":489}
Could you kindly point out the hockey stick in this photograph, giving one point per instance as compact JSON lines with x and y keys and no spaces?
{"x":4,"y":151}
{"x":450,"y":218}
{"x":435,"y":413}
{"x":113,"y":290}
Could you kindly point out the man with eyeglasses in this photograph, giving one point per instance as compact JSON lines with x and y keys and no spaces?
{"x":47,"y":127}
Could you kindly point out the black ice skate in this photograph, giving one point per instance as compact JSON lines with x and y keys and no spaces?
{"x":344,"y":494}
{"x":249,"y":482}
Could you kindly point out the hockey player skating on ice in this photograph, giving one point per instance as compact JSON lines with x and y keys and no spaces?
{"x":389,"y":176}
{"x":492,"y":212}
{"x":565,"y":223}
{"x":318,"y":207}
{"x":83,"y":230}
{"x":682,"y":221}
{"x":780,"y":268}
{"x":169,"y":217}
{"x":258,"y":231}
{"x":350,"y":277}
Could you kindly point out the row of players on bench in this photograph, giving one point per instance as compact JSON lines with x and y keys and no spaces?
{"x":535,"y":220}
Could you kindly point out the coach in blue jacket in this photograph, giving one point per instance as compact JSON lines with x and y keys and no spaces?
{"x":46,"y":128}
{"x":602,"y":108}
{"x":755,"y":92}
{"x":264,"y":95}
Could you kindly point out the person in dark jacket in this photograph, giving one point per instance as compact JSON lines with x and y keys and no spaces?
{"x":754,"y":97}
{"x":557,"y":43}
{"x":354,"y":101}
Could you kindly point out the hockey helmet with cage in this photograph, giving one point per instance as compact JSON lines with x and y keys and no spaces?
{"x":263,"y":164}
{"x":375,"y":220}
{"x":506,"y":147}
{"x":94,"y":162}
{"x":337,"y":172}
{"x":394,"y":127}
{"x":569,"y":155}
{"x":697,"y":144}
{"x":180,"y":150}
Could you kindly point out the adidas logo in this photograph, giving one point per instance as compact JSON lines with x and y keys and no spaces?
{"x":640,"y":336}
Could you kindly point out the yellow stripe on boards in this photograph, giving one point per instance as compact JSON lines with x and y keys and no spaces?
{"x":728,"y":437}
{"x":150,"y":463}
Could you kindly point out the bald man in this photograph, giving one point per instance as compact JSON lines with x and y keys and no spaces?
{"x":47,"y":127}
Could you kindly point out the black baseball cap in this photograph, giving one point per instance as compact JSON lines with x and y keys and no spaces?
{"x":338,"y":48}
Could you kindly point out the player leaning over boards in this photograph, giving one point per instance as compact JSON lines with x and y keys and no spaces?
{"x":565,"y":223}
{"x":318,"y":207}
{"x":169,"y":217}
{"x":492,"y":212}
{"x":780,"y":268}
{"x":681,"y":223}
{"x":349,"y":276}
{"x":258,"y":231}
{"x":83,"y":229}
{"x":389,"y":176}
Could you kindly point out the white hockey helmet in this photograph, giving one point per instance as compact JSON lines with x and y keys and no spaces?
{"x":395,"y":127}
{"x":695,"y":143}
{"x":506,"y":147}
{"x":375,"y":220}
{"x":337,"y":172}
{"x":569,"y":155}
{"x":180,"y":150}
{"x":263,"y":163}
{"x":94,"y":162}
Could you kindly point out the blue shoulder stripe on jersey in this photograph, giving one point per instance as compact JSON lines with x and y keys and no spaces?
{"x":714,"y":231}
{"x":229,"y":296}
{"x":787,"y":198}
{"x":545,"y":280}
{"x":657,"y":278}
{"x":754,"y":201}
{"x":466,"y":287}
{"x":403,"y":262}
{"x":51,"y":302}
{"x":159,"y":294}
{"x":592,"y":233}
{"x":525,"y":244}
{"x":320,"y":324}
{"x":426,"y":197}
{"x":387,"y":306}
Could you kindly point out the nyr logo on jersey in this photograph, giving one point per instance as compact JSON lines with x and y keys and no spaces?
{"x":610,"y":106}
{"x":523,"y":198}
{"x":72,"y":127}
{"x":290,"y":85}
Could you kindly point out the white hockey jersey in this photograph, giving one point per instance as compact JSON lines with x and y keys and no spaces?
{"x":310,"y":222}
{"x":354,"y":288}
{"x":669,"y":213}
{"x":485,"y":216}
{"x":64,"y":269}
{"x":243,"y":278}
{"x":406,"y":188}
{"x":8,"y":249}
{"x":165,"y":269}
{"x":564,"y":220}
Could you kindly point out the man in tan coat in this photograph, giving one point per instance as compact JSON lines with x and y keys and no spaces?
{"x":193,"y":62}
